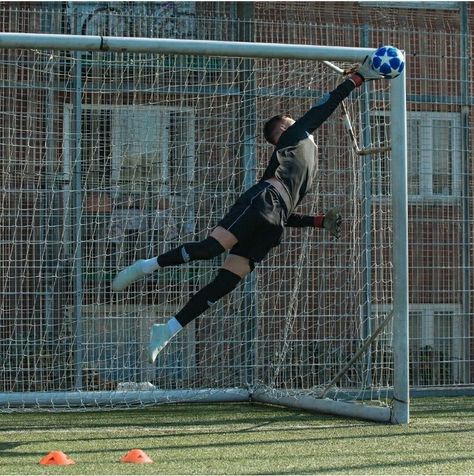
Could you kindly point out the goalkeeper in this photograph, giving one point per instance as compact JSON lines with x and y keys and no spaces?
{"x":255,"y":223}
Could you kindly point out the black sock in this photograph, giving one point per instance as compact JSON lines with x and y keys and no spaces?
{"x":206,"y":249}
{"x":224,"y":283}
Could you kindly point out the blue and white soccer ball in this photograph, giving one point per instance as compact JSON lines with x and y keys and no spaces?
{"x":388,"y":61}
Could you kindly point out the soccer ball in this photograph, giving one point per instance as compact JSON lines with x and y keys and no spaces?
{"x":388,"y":61}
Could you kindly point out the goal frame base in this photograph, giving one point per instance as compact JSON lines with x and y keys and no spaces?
{"x":74,"y":401}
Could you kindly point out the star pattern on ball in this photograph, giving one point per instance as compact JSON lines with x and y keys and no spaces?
{"x":388,"y":61}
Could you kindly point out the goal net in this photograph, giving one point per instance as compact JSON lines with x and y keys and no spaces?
{"x":109,"y":157}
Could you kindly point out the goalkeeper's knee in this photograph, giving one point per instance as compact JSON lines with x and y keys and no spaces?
{"x":205,"y":249}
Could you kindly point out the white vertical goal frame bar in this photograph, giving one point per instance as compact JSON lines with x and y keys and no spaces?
{"x":398,"y":129}
{"x":400,"y":412}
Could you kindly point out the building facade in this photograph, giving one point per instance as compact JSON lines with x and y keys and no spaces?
{"x":41,"y":227}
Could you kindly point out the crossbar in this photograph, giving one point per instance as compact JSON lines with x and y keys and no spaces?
{"x":39,"y":41}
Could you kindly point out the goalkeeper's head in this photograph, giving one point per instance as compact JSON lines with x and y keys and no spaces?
{"x":274,"y":127}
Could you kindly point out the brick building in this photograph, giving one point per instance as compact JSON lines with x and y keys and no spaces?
{"x":39,"y":224}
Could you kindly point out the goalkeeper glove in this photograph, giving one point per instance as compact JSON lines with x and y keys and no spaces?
{"x":332,"y":222}
{"x":365,"y":72}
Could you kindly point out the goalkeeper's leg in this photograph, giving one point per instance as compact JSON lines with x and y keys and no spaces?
{"x":234,"y":269}
{"x":219,"y":241}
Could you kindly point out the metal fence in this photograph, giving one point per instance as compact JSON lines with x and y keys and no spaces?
{"x":438,"y":45}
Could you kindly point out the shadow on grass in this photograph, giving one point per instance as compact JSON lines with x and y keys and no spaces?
{"x":434,"y":463}
{"x":187,"y":415}
{"x":4,"y":446}
{"x":220,"y":418}
{"x":159,"y":439}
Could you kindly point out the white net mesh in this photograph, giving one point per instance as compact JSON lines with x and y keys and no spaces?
{"x":114,"y":157}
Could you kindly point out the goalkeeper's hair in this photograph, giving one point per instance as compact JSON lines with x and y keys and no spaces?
{"x":270,"y":126}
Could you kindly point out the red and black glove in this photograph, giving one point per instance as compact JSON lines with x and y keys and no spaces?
{"x":330,"y":221}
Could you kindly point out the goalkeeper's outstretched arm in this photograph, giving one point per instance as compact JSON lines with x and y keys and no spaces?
{"x":318,"y":114}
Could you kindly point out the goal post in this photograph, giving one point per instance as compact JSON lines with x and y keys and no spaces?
{"x":400,"y":250}
{"x":132,"y":144}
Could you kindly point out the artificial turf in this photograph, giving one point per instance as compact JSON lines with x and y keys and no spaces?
{"x":242,"y":439}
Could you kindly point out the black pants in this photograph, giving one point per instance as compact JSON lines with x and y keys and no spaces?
{"x":257,"y":220}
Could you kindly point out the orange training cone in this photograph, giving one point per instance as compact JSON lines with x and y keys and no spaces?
{"x":136,"y":456}
{"x":57,"y":458}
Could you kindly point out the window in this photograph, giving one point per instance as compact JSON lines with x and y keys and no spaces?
{"x":139,"y":146}
{"x":434,"y":159}
{"x":434,"y":155}
{"x":136,"y":165}
{"x":437,"y":343}
{"x":436,"y":346}
{"x":113,"y":350}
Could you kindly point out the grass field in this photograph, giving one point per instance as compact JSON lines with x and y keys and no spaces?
{"x":243,"y":439}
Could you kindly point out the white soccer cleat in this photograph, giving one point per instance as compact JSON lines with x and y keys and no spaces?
{"x":160,"y":336}
{"x":128,"y":276}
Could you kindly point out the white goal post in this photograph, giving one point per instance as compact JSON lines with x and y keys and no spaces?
{"x":298,"y":361}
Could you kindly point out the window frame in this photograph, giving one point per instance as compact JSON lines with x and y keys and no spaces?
{"x":114,"y":186}
{"x":426,"y":162}
{"x":457,"y":361}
